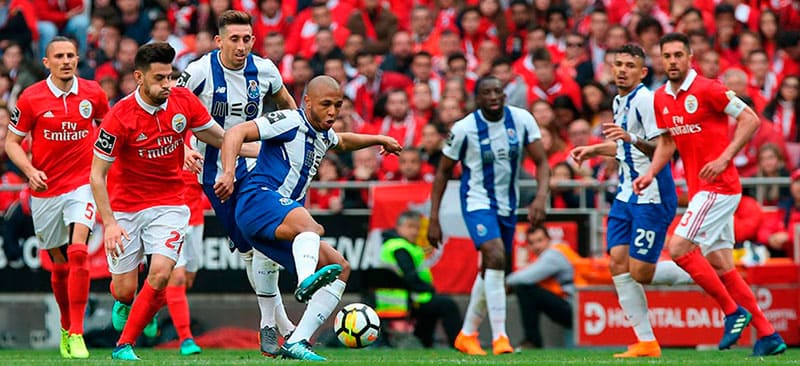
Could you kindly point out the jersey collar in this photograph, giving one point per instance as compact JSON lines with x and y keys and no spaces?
{"x":690,"y":76}
{"x":151,"y":109}
{"x":60,"y":93}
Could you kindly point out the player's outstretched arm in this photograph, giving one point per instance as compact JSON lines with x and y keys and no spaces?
{"x":112,"y":233}
{"x":536,"y":213}
{"x":615,"y":132}
{"x":665,"y":148}
{"x":349,"y":141}
{"x":747,"y":123}
{"x":231,"y":146}
{"x":36,"y":178}
{"x":443,"y":174}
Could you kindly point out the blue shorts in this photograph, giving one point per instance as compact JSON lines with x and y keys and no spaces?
{"x":485,"y":225}
{"x":225,"y":212}
{"x":259,"y":212}
{"x":643,"y":227}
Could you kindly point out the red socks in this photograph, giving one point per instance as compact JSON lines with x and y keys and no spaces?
{"x":58,"y":281}
{"x":78,"y":260}
{"x":743,"y":295}
{"x":146,"y":304}
{"x":703,"y":274}
{"x":179,"y":310}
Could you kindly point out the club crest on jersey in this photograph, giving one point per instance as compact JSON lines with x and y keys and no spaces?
{"x":481,"y":230}
{"x":690,"y":103}
{"x":179,"y":123}
{"x":85,"y":108}
{"x":252,"y":89}
{"x":285,"y":201}
{"x":512,"y":136}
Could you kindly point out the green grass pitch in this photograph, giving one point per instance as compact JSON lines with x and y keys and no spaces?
{"x":389,"y":357}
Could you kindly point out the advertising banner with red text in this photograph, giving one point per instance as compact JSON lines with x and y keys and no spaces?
{"x":684,"y":316}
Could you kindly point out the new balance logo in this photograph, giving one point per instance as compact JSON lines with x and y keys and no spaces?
{"x":220,"y":90}
{"x":48,"y":114}
{"x":141,"y":137}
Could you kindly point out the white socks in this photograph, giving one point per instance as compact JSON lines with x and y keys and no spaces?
{"x":476,"y":308}
{"x":668,"y":273}
{"x":495,"y":288}
{"x":320,"y":306}
{"x":265,"y":278}
{"x":305,"y":249}
{"x":634,"y":305}
{"x":285,"y":325}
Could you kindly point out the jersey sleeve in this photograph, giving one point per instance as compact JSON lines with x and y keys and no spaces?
{"x":455,"y":141}
{"x":270,"y":75}
{"x":199,"y":119}
{"x":532,"y":132}
{"x":193,"y":77}
{"x":278,"y":126}
{"x":333,"y":139}
{"x":658,"y":111}
{"x":111,"y":137}
{"x":646,"y":110}
{"x":101,"y":106}
{"x":21,"y":118}
{"x":724,"y":99}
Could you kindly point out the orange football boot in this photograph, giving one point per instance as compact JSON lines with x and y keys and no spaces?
{"x":469,"y":344}
{"x":501,"y":345}
{"x":641,"y":349}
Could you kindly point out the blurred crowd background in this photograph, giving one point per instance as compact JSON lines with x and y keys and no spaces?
{"x":408,"y":69}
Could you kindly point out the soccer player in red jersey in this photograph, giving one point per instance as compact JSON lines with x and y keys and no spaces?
{"x":59,"y":114}
{"x":695,"y":110}
{"x":144,"y":211}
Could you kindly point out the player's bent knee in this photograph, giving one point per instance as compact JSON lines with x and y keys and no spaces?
{"x":158,"y":278}
{"x":642,"y":276}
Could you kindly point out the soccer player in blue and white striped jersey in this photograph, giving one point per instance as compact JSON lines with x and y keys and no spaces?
{"x":490,"y":144}
{"x":233,"y":84}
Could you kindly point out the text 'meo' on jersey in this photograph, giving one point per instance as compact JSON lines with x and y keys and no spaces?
{"x":490,"y":154}
{"x":62,"y":127}
{"x":145,"y":143}
{"x":634,"y":113}
{"x":231,"y":97}
{"x":291,"y":150}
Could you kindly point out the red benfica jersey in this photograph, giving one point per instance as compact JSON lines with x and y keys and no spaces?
{"x":146,"y":144}
{"x":62,"y":130}
{"x":697,"y":118}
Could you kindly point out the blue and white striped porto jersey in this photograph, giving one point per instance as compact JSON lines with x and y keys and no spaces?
{"x":291,"y":150}
{"x":231,"y":97}
{"x":634,"y":113}
{"x":490,"y":155}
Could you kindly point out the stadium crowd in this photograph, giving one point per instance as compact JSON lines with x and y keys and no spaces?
{"x":409,"y":68}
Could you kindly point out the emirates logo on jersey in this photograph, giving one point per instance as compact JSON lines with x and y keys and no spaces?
{"x":69,"y":132}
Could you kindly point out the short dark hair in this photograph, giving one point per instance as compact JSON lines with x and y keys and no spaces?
{"x":690,"y":10}
{"x":235,"y":17}
{"x":456,"y":56}
{"x":361,"y":54}
{"x":482,"y":80}
{"x":156,"y":52}
{"x":58,"y":39}
{"x":722,"y":9}
{"x":674,"y":37}
{"x":421,"y":54}
{"x":534,"y":228}
{"x":648,"y":22}
{"x":541,"y":54}
{"x":501,"y":60}
{"x":631,"y":49}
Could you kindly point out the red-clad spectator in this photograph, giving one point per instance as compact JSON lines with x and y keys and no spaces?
{"x":645,"y":8}
{"x":747,"y":42}
{"x":422,"y":104}
{"x":736,"y":79}
{"x":550,"y":85}
{"x":269,"y":18}
{"x":422,"y":72}
{"x":65,"y":17}
{"x":493,"y":20}
{"x":576,"y":64}
{"x":784,"y":110}
{"x":534,"y":40}
{"x":617,"y":9}
{"x":275,"y":50}
{"x":423,"y":32}
{"x":787,"y":58}
{"x":446,"y":15}
{"x":471,"y":35}
{"x":580,"y":134}
{"x":449,"y":44}
{"x":399,"y":57}
{"x":768,"y":30}
{"x":598,"y":31}
{"x":762,"y":81}
{"x":182,"y":14}
{"x":789,"y":14}
{"x":564,"y":197}
{"x":556,"y":40}
{"x":457,"y":67}
{"x":365,"y":169}
{"x":301,"y":75}
{"x":555,"y":147}
{"x":580,"y":18}
{"x":747,"y":161}
{"x":329,"y":170}
{"x":376,"y":23}
{"x":411,"y":168}
{"x":513,"y":85}
{"x":778,"y":229}
{"x":725,"y":36}
{"x":450,"y":110}
{"x":518,"y":18}
{"x":747,"y":219}
{"x":709,"y":65}
{"x":771,"y":164}
{"x":398,"y":123}
{"x":301,"y":36}
{"x":122,"y":62}
{"x":370,"y":83}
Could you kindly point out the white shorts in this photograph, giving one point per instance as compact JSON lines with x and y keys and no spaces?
{"x":190,"y":254}
{"x":53,"y":215}
{"x":708,"y":221}
{"x":155,"y":230}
